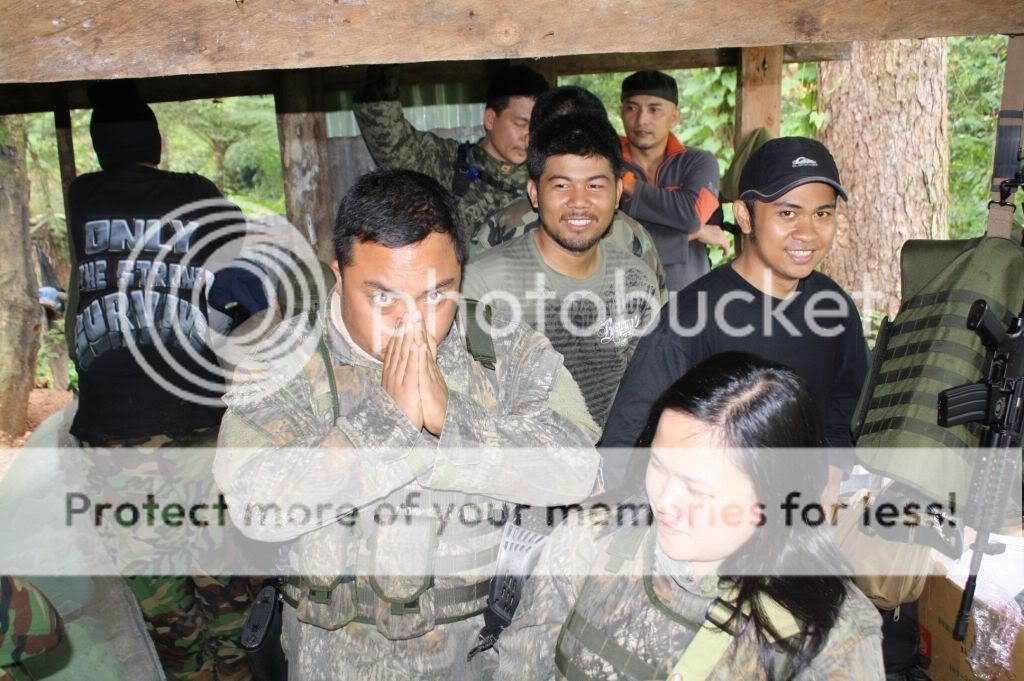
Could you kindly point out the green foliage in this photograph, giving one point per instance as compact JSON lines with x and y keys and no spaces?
{"x":975,"y":88}
{"x":800,"y":115}
{"x":232,"y":141}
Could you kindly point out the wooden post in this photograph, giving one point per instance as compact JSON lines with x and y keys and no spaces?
{"x":302,"y":132}
{"x":758,"y":91}
{"x":65,"y":145}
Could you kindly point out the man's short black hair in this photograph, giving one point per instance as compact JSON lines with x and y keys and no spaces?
{"x":395,"y":208}
{"x":575,"y":134}
{"x":563,"y":100}
{"x":518,"y":81}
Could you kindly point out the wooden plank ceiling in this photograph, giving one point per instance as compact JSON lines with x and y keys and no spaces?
{"x":72,"y":40}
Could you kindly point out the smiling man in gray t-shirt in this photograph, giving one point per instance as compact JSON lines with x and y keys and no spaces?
{"x":591,"y":299}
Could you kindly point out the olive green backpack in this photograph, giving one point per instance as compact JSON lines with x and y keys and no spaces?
{"x":928,"y":348}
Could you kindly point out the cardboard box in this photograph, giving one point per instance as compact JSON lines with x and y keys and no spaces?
{"x":937,"y":610}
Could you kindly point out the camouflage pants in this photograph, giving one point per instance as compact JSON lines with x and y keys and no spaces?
{"x":195,"y":621}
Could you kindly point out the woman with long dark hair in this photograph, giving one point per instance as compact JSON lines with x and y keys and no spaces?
{"x":721,"y":583}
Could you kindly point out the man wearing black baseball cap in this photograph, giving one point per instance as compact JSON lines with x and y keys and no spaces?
{"x":769,"y":301}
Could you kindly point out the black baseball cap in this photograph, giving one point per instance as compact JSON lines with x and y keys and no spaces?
{"x":783,"y":164}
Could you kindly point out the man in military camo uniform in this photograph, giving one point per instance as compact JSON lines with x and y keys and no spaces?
{"x":394,"y":410}
{"x":491,"y":172}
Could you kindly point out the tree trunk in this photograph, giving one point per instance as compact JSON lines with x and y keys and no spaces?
{"x":19,"y":316}
{"x":887,"y":128}
{"x":219,"y":155}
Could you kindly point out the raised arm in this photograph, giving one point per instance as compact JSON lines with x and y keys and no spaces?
{"x":392,"y":140}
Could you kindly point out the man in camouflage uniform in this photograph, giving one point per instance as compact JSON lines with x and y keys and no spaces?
{"x":483,"y":176}
{"x":520,"y":217}
{"x":391,"y":406}
{"x":29,"y":626}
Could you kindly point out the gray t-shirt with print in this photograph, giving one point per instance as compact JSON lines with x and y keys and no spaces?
{"x":594,"y":323}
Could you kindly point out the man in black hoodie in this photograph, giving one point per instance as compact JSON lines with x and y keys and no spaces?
{"x":142,"y":242}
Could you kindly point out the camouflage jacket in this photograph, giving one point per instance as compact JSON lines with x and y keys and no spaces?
{"x":519,"y":217}
{"x":29,"y":625}
{"x":395,"y":144}
{"x":281,"y":444}
{"x":582,"y":593}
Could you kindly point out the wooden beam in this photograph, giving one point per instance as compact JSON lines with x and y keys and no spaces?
{"x":302,"y":133}
{"x":35,"y":97}
{"x":65,"y":147}
{"x":39,"y":97}
{"x":649,"y":61}
{"x":758,"y":91}
{"x":77,"y":40}
{"x":815,"y":52}
{"x":690,"y":59}
{"x":351,"y":77}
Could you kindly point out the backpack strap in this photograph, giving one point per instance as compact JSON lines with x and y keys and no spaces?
{"x":715,"y":636}
{"x":325,"y":355}
{"x":463,"y":178}
{"x":478,"y":339}
{"x":466,"y":174}
{"x":624,"y":547}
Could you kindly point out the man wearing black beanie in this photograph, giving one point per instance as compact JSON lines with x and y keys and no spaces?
{"x":142,"y":242}
{"x":669,"y":188}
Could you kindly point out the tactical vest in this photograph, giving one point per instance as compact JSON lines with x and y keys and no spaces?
{"x":395,"y":589}
{"x":345,"y":578}
{"x":622,"y":627}
{"x":928,"y":348}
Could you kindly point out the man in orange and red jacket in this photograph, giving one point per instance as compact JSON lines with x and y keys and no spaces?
{"x":671,"y":189}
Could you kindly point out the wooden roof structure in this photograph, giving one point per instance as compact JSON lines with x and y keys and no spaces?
{"x":188,"y":49}
{"x":74,"y":40}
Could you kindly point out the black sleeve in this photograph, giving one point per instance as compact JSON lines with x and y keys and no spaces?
{"x":660,"y":358}
{"x":222,"y":222}
{"x":851,"y":369}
